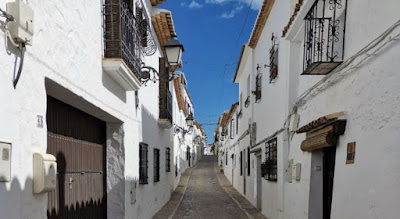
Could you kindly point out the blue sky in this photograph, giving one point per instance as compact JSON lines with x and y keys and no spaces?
{"x":209,"y":31}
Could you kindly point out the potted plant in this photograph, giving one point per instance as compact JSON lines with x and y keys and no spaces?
{"x":267,"y":167}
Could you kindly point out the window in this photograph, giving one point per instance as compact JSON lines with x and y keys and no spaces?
{"x":241,"y":102}
{"x":324,"y":31}
{"x":226,"y":157}
{"x":156,"y":164}
{"x":168,"y":159}
{"x":176,"y":166}
{"x":237,"y":123}
{"x":241,"y":163}
{"x":258,"y":84}
{"x":136,"y":99}
{"x":271,"y":159}
{"x":143,"y":163}
{"x":187,"y":153}
{"x":273,"y":60}
{"x":248,"y":161}
{"x":232,"y":130}
{"x":248,"y":86}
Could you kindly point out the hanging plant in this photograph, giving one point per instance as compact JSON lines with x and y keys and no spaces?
{"x":267,"y":167}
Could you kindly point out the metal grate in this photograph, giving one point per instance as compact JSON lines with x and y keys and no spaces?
{"x":156,"y":161}
{"x":121,"y":34}
{"x":325,"y":26}
{"x":168,"y":159}
{"x":271,"y":156}
{"x":143,"y":163}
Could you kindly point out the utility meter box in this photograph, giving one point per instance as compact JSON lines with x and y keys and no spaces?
{"x":21,"y":28}
{"x":44,"y":173}
{"x":296,"y":171}
{"x":5,"y":162}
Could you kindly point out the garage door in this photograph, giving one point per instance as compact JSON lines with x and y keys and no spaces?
{"x":78,"y":141}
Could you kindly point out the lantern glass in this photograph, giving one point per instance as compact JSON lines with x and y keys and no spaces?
{"x":189,"y":121}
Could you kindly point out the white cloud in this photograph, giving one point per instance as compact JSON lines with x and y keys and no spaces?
{"x":194,"y":4}
{"x":183,"y":4}
{"x":232,"y":13}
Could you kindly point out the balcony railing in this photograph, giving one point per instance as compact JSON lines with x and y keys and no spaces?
{"x":121,"y":34}
{"x":324,"y":36}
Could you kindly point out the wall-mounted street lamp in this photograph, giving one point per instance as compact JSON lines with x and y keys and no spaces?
{"x":189,"y":123}
{"x":173,"y":50}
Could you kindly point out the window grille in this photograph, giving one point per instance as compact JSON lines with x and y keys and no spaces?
{"x":248,"y":161}
{"x":241,"y":163}
{"x":156,"y":165}
{"x":273,"y":60}
{"x":325,"y":27}
{"x":271,"y":159}
{"x":232,"y":130}
{"x":258,"y":84}
{"x":143,"y":163}
{"x":168,"y":159}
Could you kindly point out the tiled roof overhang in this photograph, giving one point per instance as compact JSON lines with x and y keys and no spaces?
{"x":240,"y":61}
{"x":156,"y":2}
{"x":164,"y":28}
{"x":260,"y":22}
{"x":296,"y":10}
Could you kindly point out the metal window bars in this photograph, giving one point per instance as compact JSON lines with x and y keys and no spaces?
{"x":324,"y":36}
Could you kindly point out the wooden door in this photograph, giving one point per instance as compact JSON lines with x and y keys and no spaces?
{"x":328,"y":176}
{"x":78,"y":142}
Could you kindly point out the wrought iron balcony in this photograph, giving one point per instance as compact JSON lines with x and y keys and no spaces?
{"x":121,"y":35}
{"x":324,"y":36}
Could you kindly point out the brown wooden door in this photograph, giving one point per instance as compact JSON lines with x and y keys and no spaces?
{"x":78,"y":142}
{"x":329,"y":172}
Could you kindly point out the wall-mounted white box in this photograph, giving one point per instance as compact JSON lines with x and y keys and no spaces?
{"x":5,"y":162}
{"x":44,"y":173}
{"x":289,"y":170}
{"x":21,"y":28}
{"x":296,"y":171}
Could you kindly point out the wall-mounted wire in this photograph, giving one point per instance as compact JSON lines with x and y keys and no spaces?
{"x":19,"y":45}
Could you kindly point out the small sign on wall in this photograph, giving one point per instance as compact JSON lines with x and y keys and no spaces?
{"x":39,"y":121}
{"x":351,"y":152}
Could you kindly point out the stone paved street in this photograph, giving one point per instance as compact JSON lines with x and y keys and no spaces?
{"x":204,"y":197}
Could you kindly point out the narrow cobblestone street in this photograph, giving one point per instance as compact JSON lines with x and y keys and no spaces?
{"x":204,"y":197}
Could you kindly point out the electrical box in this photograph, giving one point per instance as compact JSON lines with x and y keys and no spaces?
{"x":296,"y":171}
{"x":44,"y":173}
{"x":289,"y":171}
{"x":21,"y":28}
{"x":5,"y":162}
{"x":294,"y":122}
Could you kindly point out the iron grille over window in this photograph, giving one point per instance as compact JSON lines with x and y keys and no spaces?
{"x":248,"y":161}
{"x":271,"y":159}
{"x":324,"y":36}
{"x":273,"y":60}
{"x":187,"y":153}
{"x":121,"y":34}
{"x":156,"y":164}
{"x":232,"y":130}
{"x":176,"y":166}
{"x":143,"y":163}
{"x":226,"y":157}
{"x":241,"y":163}
{"x":258,"y":87}
{"x":168,"y":159}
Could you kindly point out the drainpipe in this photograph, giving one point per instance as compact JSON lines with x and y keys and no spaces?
{"x":252,"y":74}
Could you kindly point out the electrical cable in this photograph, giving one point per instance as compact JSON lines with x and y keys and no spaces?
{"x":21,"y":63}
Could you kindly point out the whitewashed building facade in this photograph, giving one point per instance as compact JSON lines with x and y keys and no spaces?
{"x":80,"y":97}
{"x":321,"y":117}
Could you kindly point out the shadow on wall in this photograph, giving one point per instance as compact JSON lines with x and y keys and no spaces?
{"x":113,"y":87}
{"x":68,"y":202}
